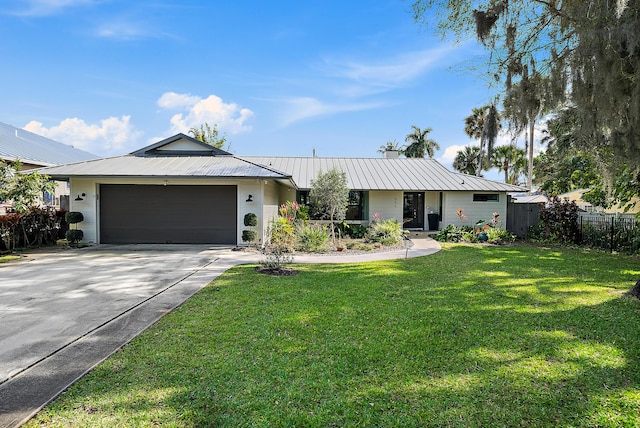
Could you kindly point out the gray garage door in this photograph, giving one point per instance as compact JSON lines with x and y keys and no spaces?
{"x":142,"y":214}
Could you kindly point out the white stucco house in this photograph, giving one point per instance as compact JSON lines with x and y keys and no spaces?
{"x":180,"y":190}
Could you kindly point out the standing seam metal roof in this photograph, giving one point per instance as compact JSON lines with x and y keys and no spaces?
{"x":19,"y":144}
{"x":384,"y":174}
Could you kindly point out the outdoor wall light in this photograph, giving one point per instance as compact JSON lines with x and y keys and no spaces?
{"x":250,"y":198}
{"x":80,"y":198}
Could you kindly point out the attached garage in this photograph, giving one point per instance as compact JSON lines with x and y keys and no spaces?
{"x":177,"y":214}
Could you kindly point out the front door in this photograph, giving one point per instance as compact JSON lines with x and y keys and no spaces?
{"x":413,"y":211}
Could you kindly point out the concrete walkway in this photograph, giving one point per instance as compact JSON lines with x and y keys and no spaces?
{"x":64,"y":312}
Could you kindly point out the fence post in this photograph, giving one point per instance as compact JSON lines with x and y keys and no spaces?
{"x":612,"y":232}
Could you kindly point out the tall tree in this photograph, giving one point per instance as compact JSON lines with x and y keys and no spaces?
{"x":587,"y":52}
{"x":524,"y":104}
{"x":209,"y":135}
{"x":511,"y":160}
{"x":466,"y":160}
{"x":483,"y":124}
{"x":419,"y":144}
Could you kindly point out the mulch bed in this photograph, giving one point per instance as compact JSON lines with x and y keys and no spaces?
{"x":276,"y":271}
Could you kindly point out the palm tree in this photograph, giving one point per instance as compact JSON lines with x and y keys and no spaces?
{"x":419,"y":144}
{"x":389,"y":146}
{"x":511,"y":160}
{"x":466,"y":160}
{"x":483,"y":124}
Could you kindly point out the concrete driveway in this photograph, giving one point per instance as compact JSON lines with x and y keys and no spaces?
{"x":63,"y":313}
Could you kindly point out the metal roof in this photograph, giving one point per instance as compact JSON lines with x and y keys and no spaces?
{"x":18,"y":144}
{"x":183,"y":156}
{"x":413,"y":174}
{"x":165,"y":166}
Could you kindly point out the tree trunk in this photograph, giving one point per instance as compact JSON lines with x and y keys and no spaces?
{"x":532,"y":124}
{"x":635,"y":291}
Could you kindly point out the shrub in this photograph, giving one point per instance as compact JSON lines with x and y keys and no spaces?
{"x":73,"y":217}
{"x":498,"y":236}
{"x":313,"y":238}
{"x":250,"y":220}
{"x":74,"y":235}
{"x":276,"y":258}
{"x":387,"y":232}
{"x":559,"y":222}
{"x":282,"y":234}
{"x":449,"y":234}
{"x":355,"y":231}
{"x":249,"y":235}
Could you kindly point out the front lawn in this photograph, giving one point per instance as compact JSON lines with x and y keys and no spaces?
{"x":471,"y":336}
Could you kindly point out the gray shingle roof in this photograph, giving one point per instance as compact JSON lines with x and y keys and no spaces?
{"x":412,"y":174}
{"x":18,"y":144}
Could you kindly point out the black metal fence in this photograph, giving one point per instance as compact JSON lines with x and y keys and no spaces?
{"x":610,"y":232}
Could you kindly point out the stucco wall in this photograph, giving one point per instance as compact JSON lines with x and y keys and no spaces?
{"x":387,"y":203}
{"x":270,"y":207}
{"x":473,"y":210}
{"x":246,"y":188}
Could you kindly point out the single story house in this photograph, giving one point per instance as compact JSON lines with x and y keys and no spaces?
{"x":181,"y":190}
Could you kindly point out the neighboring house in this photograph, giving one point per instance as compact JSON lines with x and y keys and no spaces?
{"x":180,"y":190}
{"x":35,"y":151}
{"x":576,"y":196}
{"x":529,"y":199}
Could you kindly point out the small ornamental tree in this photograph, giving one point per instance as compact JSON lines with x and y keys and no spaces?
{"x":330,"y":196}
{"x":74,"y":235}
{"x":250,"y":235}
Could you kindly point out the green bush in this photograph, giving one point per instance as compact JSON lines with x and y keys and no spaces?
{"x":449,"y":234}
{"x":387,"y":232}
{"x":355,"y":231}
{"x":73,"y":217}
{"x":74,"y":235}
{"x":251,"y":220}
{"x":499,"y":236}
{"x":282,"y":234}
{"x":249,"y":235}
{"x":313,"y":239}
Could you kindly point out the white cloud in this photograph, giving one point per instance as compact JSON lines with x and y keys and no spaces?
{"x":112,"y":136}
{"x":132,"y":29}
{"x":386,"y":74}
{"x":449,"y":154}
{"x":229,"y":117}
{"x":46,"y":7}
{"x":296,"y":109}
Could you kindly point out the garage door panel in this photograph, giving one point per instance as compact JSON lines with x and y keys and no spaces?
{"x":168,"y":214}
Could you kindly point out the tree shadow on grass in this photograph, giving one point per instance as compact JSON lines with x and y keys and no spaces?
{"x":469,"y":337}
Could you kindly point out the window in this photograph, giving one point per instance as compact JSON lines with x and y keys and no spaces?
{"x":303,"y":197}
{"x":486,"y":197}
{"x":355,"y":209}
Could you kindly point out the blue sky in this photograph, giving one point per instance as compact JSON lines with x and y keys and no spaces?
{"x":279,"y":78}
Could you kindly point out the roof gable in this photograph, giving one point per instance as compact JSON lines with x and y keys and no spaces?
{"x":180,"y":145}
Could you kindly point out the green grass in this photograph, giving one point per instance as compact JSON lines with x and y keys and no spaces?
{"x":471,"y":336}
{"x":8,"y":258}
